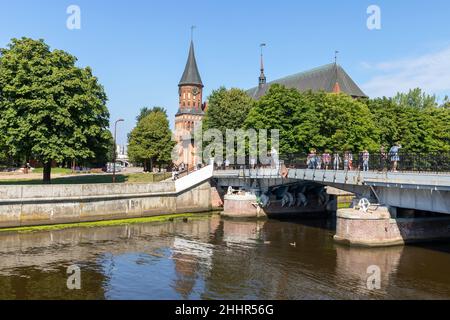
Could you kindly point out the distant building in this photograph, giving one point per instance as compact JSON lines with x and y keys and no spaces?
{"x":329,"y":78}
{"x":122,"y":155}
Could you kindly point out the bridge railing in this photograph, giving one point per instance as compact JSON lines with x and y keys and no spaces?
{"x":405,"y":162}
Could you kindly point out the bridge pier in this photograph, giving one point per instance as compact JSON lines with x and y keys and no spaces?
{"x":294,"y":201}
{"x":382,"y":226}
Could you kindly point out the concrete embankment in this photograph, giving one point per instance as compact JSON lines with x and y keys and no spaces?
{"x":34,"y":205}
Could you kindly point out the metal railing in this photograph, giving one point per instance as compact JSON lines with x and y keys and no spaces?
{"x":436,"y":162}
{"x":402,"y":162}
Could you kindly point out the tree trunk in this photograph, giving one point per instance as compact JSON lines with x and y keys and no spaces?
{"x":47,"y":172}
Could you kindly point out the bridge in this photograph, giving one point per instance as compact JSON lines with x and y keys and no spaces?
{"x":409,"y":190}
{"x":390,"y":207}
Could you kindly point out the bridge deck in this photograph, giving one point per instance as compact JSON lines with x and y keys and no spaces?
{"x":403,"y":180}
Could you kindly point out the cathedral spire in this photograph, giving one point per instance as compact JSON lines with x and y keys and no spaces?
{"x":191,"y":75}
{"x":262,"y":76}
{"x":336,"y":87}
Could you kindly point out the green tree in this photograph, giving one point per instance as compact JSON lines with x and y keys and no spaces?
{"x":314,"y":120}
{"x":277,"y":110}
{"x":227,"y":109}
{"x":50,"y":109}
{"x":388,"y":116}
{"x":413,"y":119}
{"x":102,"y":146}
{"x":145,"y":111}
{"x":150,"y":142}
{"x":416,"y":98}
{"x":446,"y":103}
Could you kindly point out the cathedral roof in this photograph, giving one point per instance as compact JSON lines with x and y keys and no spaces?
{"x":325,"y":78}
{"x":191,"y":75}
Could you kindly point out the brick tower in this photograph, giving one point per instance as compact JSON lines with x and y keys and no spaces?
{"x":191,"y":110}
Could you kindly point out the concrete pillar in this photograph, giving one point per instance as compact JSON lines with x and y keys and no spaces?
{"x":378,"y":227}
{"x":242,"y":206}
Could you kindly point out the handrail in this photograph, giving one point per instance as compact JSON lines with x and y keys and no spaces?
{"x":434,"y":162}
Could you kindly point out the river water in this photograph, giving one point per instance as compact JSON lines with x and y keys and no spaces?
{"x":213,"y":258}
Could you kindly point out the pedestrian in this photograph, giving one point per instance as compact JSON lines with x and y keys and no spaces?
{"x":326,"y":159}
{"x":318,"y":162}
{"x":252,"y":162}
{"x":227,"y":164}
{"x":365,"y":159}
{"x":275,"y":158}
{"x":395,"y":157}
{"x":346,"y":160}
{"x":174,"y":173}
{"x":350,"y":160}
{"x":219,"y":163}
{"x":311,"y":159}
{"x":337,"y":161}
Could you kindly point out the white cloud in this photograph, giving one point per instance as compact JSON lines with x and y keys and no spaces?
{"x":430,"y":72}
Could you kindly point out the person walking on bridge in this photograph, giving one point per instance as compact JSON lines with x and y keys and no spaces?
{"x":337,"y":161}
{"x":365,"y":160}
{"x":311,"y":159}
{"x":394,"y":154}
{"x":326,"y":159}
{"x":348,"y":160}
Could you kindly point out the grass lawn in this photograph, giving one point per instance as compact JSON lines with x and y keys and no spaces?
{"x":95,"y":178}
{"x":54,"y":170}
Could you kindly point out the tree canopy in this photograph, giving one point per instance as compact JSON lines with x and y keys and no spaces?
{"x":50,"y":109}
{"x":415,"y":98}
{"x":314,"y":120}
{"x":150,"y":142}
{"x":145,"y":111}
{"x":414,"y":119}
{"x":227,"y":109}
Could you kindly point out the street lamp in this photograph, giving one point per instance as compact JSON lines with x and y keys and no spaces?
{"x":115,"y":149}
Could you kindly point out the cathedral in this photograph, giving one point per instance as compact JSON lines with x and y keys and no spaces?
{"x":329,"y":78}
{"x":191,"y":110}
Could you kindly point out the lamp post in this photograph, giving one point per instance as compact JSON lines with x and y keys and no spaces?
{"x":115,"y":150}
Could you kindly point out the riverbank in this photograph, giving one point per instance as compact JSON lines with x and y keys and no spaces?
{"x":32,"y":205}
{"x":69,"y":178}
{"x":107,"y":223}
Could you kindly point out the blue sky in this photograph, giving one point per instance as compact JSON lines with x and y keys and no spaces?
{"x":138,"y":48}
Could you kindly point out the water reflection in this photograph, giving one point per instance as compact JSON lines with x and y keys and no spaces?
{"x":212,"y":258}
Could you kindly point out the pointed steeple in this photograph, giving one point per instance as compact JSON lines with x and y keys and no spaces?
{"x":191,"y":75}
{"x":336,"y":87}
{"x":262,"y":76}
